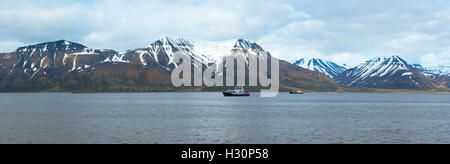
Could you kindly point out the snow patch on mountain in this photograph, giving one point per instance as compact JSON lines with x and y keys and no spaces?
{"x":329,"y":68}
{"x":436,"y":70}
{"x":42,"y":62}
{"x":170,"y":47}
{"x":117,"y":58}
{"x":141,"y":56}
{"x":214,"y":50}
{"x":407,"y":74}
{"x":86,"y":51}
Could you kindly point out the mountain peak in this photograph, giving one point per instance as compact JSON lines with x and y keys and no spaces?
{"x":386,"y":61}
{"x":384,"y":65}
{"x":396,"y":58}
{"x":175,"y":43}
{"x":247,"y":45}
{"x":55,"y":45}
{"x":329,"y":68}
{"x":166,"y":39}
{"x":385,"y":72}
{"x":65,"y":42}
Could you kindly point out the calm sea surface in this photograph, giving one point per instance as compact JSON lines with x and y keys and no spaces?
{"x":211,"y":118}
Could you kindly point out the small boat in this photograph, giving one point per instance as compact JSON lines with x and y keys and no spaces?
{"x":239,"y":91}
{"x":297,"y":92}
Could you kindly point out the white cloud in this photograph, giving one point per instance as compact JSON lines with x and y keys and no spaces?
{"x":31,"y":23}
{"x":9,"y":45}
{"x":413,"y":46}
{"x":302,"y":27}
{"x":433,"y":60}
{"x":349,"y":30}
{"x":140,"y":22}
{"x":348,"y":59}
{"x":291,"y":41}
{"x":212,"y":20}
{"x":410,"y":41}
{"x":305,"y":39}
{"x":289,"y":29}
{"x":97,"y":37}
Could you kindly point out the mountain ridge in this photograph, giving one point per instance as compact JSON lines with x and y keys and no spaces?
{"x":329,"y":68}
{"x":68,"y":66}
{"x":386,"y":73}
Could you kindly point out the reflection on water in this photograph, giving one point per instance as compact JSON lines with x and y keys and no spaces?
{"x":212,"y":118}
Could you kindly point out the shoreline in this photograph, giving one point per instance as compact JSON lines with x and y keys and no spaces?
{"x":190,"y":91}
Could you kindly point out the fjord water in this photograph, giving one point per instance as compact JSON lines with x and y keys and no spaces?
{"x":190,"y":118}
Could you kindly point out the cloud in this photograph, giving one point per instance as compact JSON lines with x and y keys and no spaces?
{"x":9,"y":45}
{"x":34,"y":23}
{"x":123,"y":24}
{"x":366,"y":29}
{"x":415,"y":45}
{"x":433,"y":60}
{"x":288,"y":29}
{"x":348,"y":59}
{"x":295,"y":40}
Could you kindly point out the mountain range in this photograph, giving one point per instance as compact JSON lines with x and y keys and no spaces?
{"x":437,"y":70}
{"x":68,"y":66}
{"x":439,"y":74}
{"x":329,"y":68}
{"x":381,"y":73}
{"x":386,"y":73}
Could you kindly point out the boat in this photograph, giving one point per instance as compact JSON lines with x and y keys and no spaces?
{"x":238,"y":91}
{"x":297,"y":92}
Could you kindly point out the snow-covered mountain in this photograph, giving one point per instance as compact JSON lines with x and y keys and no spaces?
{"x":244,"y":49}
{"x":438,"y":70}
{"x":68,"y":66}
{"x":440,"y":74}
{"x":387,"y":72}
{"x":52,"y":57}
{"x":329,"y":68}
{"x":164,"y":50}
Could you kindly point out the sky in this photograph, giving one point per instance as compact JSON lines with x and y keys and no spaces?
{"x":347,"y":32}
